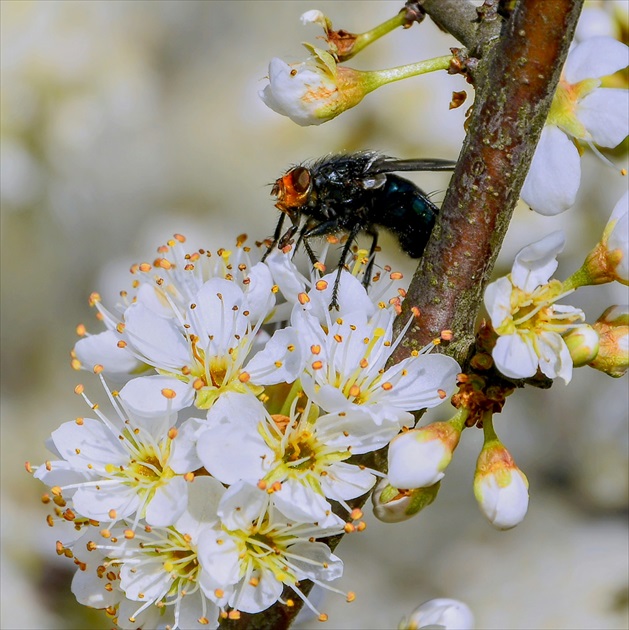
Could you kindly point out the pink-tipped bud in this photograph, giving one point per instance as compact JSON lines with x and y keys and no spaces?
{"x":613,"y":330}
{"x":500,"y":487}
{"x":417,"y":458}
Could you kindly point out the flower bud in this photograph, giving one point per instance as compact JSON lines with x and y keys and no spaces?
{"x":613,"y":329}
{"x":417,"y":458}
{"x":449,"y":614}
{"x":391,"y":505}
{"x":315,"y":91}
{"x":582,"y":344}
{"x":500,"y":487}
{"x":609,"y":260}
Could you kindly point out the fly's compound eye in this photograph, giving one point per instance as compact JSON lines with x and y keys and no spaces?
{"x":293,"y":189}
{"x":300,"y":179}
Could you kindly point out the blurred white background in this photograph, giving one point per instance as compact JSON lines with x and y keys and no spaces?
{"x":123,"y":122}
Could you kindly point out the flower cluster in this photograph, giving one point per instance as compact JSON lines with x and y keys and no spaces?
{"x":229,"y":450}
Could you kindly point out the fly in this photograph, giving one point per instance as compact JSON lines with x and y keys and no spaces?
{"x":354,"y":193}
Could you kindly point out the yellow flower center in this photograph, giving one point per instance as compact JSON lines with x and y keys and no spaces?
{"x":563,"y":110}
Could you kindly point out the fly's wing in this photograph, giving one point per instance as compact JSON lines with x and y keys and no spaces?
{"x":389,"y":165}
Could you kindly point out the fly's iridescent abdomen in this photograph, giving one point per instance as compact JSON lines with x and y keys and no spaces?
{"x":405,"y":210}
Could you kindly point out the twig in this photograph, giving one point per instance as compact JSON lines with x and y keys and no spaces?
{"x":514,"y":89}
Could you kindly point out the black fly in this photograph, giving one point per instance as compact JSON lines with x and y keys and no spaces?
{"x":353,"y":193}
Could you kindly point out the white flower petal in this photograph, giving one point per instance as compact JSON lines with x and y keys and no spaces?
{"x":256,"y":598}
{"x":618,"y":238}
{"x":605,"y":115}
{"x":553,"y":180}
{"x":318,"y":563}
{"x":183,"y":452}
{"x":536,"y":263}
{"x":346,"y":481}
{"x":204,"y":495}
{"x":102,"y":349}
{"x":289,"y":84}
{"x":301,"y":503}
{"x":595,"y":58}
{"x":148,"y":584}
{"x":280,"y":361}
{"x":155,"y":337}
{"x":443,"y":613}
{"x":231,"y":453}
{"x":189,"y":613}
{"x":357,"y":429}
{"x":88,"y":587}
{"x":61,"y":473}
{"x":498,"y":301}
{"x":241,"y":505}
{"x":429,"y":380}
{"x":352,"y":297}
{"x":89,"y":443}
{"x":514,"y":357}
{"x":168,"y":503}
{"x":144,"y":397}
{"x":554,"y":356}
{"x":259,"y":294}
{"x":96,"y":502}
{"x":218,"y":556}
{"x":286,"y":275}
{"x":218,"y":315}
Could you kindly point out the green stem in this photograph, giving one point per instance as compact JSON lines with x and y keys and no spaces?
{"x":488,"y":429}
{"x":376,"y":78}
{"x":364,"y":39}
{"x":459,"y":418}
{"x":579,"y":278}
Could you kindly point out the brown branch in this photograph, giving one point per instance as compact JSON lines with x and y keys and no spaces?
{"x":457,"y":17}
{"x":515,"y":85}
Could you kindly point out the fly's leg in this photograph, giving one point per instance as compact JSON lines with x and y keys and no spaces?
{"x":339,"y":269}
{"x":330,"y":227}
{"x":276,"y":236}
{"x":372,"y":256}
{"x":288,"y":236}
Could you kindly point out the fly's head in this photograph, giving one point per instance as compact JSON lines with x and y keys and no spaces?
{"x":293,"y":191}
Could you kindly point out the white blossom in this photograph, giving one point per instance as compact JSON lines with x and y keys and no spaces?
{"x":583,"y":111}
{"x":255,"y":551}
{"x":160,"y":567}
{"x":293,"y":456}
{"x":199,"y":356}
{"x":524,"y":314}
{"x":122,"y":468}
{"x":344,"y":366}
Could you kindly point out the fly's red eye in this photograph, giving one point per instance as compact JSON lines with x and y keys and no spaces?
{"x":300,"y":177}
